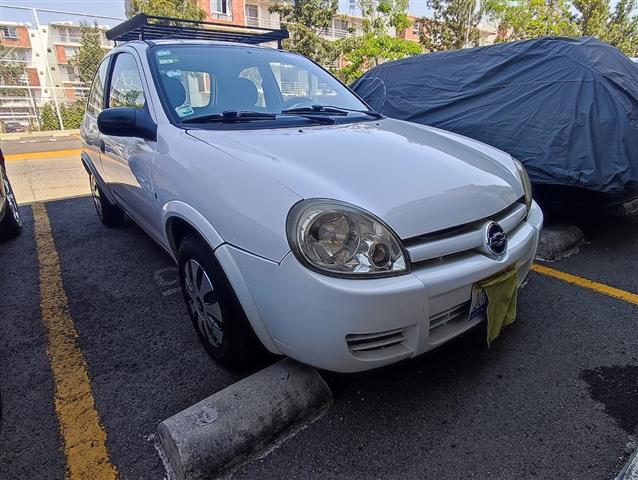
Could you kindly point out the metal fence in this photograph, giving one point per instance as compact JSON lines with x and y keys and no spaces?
{"x":47,"y":61}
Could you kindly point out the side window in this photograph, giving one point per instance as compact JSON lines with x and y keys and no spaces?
{"x":96,"y":97}
{"x":252,"y":74}
{"x":126,"y":84}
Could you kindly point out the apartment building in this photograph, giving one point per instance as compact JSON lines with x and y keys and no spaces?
{"x":19,"y":76}
{"x":63,"y":41}
{"x":38,"y":68}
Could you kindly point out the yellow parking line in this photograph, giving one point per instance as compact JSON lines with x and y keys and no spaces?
{"x":39,"y":155}
{"x":586,"y":283}
{"x":84,"y":437}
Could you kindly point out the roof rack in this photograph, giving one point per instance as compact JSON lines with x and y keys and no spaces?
{"x":150,"y":27}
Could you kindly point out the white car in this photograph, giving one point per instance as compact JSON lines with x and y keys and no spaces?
{"x":300,"y":220}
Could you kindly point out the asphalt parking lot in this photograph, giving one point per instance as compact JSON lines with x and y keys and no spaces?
{"x":555,"y":397}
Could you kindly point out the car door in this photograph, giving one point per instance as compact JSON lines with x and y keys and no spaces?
{"x":128,"y":161}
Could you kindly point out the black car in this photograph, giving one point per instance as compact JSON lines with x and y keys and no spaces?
{"x":10,"y":221}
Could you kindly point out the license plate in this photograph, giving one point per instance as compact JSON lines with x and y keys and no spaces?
{"x":479,"y":302}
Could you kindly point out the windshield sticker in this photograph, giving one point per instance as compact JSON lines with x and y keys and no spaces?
{"x":174,"y":73}
{"x":163,"y":61}
{"x":163,"y":53}
{"x":184,"y":110}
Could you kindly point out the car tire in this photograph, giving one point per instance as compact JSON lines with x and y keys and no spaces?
{"x":11,"y":223}
{"x":111,"y":215}
{"x":217,"y":315}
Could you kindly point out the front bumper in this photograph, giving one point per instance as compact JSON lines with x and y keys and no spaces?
{"x":347,"y":325}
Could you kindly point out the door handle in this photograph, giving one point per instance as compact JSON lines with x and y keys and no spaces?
{"x":102,"y":146}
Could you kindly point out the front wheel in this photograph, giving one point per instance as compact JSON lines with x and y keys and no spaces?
{"x":109,"y":214}
{"x":11,"y":223}
{"x":217,"y":315}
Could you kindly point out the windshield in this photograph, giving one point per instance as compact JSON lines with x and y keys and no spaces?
{"x":201,"y":81}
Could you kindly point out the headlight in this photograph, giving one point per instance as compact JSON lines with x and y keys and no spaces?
{"x":338,"y":239}
{"x":527,"y":185}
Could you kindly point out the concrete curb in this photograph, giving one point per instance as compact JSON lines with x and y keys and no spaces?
{"x":630,"y":471}
{"x":52,"y":133}
{"x":559,"y":241}
{"x":221,"y":431}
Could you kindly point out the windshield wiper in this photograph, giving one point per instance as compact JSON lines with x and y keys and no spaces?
{"x":331,"y":110}
{"x":315,"y":109}
{"x":231,"y":116}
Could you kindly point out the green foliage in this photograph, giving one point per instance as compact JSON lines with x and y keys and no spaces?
{"x":90,"y":53}
{"x":453,"y":25}
{"x":72,"y":114}
{"x":532,"y":18}
{"x":622,"y":28}
{"x":569,"y":18}
{"x":376,"y":45}
{"x":306,"y":22}
{"x":367,"y":51}
{"x":593,"y":17}
{"x":186,"y":9}
{"x":380,"y":15}
{"x":48,"y":117}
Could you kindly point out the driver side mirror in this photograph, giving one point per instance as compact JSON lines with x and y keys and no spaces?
{"x":127,"y":122}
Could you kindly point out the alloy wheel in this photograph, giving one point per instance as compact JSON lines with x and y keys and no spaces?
{"x":95,"y":193}
{"x":11,"y":200}
{"x":203,"y":302}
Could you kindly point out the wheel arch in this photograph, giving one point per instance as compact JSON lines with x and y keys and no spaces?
{"x":180,"y":219}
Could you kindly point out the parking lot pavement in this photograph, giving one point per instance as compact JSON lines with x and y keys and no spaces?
{"x":555,"y":397}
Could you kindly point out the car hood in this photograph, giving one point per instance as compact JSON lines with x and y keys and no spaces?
{"x":417,"y":179}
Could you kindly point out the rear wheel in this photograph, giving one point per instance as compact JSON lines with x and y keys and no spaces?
{"x":110,"y":215}
{"x":217,"y":315}
{"x":11,"y":224}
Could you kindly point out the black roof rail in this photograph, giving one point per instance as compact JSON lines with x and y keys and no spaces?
{"x":150,"y":27}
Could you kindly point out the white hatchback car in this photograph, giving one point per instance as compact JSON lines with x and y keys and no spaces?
{"x":300,"y":220}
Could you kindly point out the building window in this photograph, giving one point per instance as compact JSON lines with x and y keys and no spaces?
{"x":341,"y":24}
{"x":252,"y":15}
{"x":9,"y":32}
{"x":220,"y":9}
{"x":69,"y":52}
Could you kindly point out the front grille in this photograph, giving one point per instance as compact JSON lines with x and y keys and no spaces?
{"x":360,"y":342}
{"x":378,"y":345}
{"x":459,"y":312}
{"x":462,"y":238}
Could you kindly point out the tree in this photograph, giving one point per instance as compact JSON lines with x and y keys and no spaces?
{"x":531,"y":18}
{"x":622,"y":28}
{"x":186,"y":9}
{"x":381,"y":15}
{"x":90,"y":53}
{"x":376,"y":45}
{"x":593,"y":18}
{"x":454,"y":24}
{"x":48,"y":118}
{"x":369,"y":50}
{"x":307,"y":21}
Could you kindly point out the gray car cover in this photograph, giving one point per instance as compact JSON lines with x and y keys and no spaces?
{"x":567,"y":108}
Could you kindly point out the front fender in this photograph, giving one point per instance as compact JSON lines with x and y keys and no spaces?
{"x":184,"y":211}
{"x":178,"y":209}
